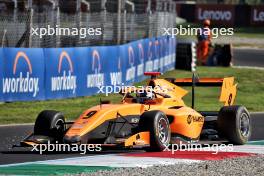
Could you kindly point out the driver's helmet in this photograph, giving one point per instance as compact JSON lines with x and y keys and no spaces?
{"x":144,"y":96}
{"x":150,"y":95}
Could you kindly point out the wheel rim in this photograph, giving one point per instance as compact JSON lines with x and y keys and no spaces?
{"x":59,"y":125}
{"x":163,"y":132}
{"x":244,"y":125}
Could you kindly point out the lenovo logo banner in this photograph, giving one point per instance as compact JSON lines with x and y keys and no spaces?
{"x":257,"y":16}
{"x":218,"y":14}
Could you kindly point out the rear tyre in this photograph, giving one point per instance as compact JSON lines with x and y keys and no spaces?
{"x":50,"y":123}
{"x":234,"y":123}
{"x":158,"y":125}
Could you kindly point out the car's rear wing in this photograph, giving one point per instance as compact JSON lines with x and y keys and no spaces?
{"x":203,"y":82}
{"x":228,"y":90}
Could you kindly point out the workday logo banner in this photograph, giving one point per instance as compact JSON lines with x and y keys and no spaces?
{"x":81,"y":65}
{"x":112,"y":68}
{"x":61,"y":78}
{"x":129,"y":55}
{"x":98,"y":67}
{"x":95,"y":76}
{"x":141,"y":57}
{"x":132,"y":57}
{"x":51,"y":73}
{"x":23,"y":77}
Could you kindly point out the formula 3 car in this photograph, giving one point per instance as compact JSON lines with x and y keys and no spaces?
{"x":151,"y":122}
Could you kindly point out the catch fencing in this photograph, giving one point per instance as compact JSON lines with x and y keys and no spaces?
{"x":119,"y":26}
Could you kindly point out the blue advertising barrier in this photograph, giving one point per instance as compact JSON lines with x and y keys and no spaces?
{"x":61,"y":73}
{"x":29,"y":74}
{"x":1,"y":73}
{"x":23,"y":74}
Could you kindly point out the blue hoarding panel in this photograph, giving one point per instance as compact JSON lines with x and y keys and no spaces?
{"x":127,"y":55}
{"x":61,"y":73}
{"x":23,"y":78}
{"x":82,"y":56}
{"x":1,"y":73}
{"x":100,"y":63}
{"x":52,"y":73}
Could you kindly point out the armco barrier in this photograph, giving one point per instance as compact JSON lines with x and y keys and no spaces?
{"x":28,"y":74}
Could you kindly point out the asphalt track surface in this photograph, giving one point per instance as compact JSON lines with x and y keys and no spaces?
{"x":13,"y":134}
{"x":248,"y":57}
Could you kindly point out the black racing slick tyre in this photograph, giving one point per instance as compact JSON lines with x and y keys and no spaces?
{"x":50,"y":123}
{"x":158,"y":125}
{"x":234,"y":124}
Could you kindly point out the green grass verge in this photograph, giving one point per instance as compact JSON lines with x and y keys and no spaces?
{"x":43,"y":169}
{"x":250,"y":93}
{"x":249,"y":32}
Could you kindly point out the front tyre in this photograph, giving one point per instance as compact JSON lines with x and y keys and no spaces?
{"x":234,"y":123}
{"x":50,"y":123}
{"x":158,"y":125}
